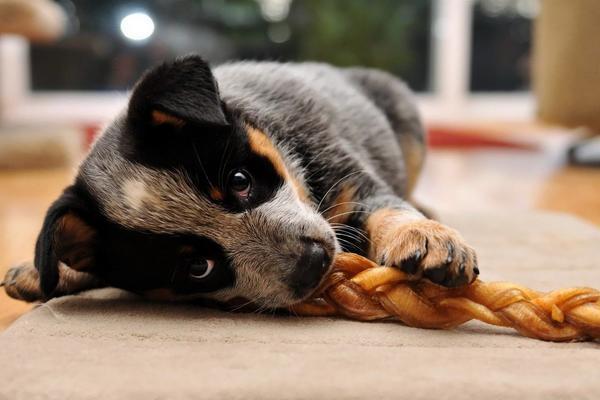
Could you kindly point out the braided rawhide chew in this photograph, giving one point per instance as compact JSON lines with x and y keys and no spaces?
{"x":363,"y":290}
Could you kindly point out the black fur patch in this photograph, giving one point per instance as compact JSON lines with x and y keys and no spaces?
{"x":184,"y":88}
{"x":47,"y":247}
{"x":139,"y":261}
{"x":131,"y":260}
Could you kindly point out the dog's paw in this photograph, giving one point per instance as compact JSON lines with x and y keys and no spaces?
{"x":10,"y":279}
{"x":428,"y":249}
{"x":22,"y":283}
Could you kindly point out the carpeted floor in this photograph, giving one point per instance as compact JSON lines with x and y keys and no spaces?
{"x":110,"y":345}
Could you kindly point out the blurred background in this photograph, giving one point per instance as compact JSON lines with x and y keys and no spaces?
{"x":508,"y":89}
{"x":444,"y":49}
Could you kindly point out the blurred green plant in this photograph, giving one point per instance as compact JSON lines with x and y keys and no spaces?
{"x":392,"y":35}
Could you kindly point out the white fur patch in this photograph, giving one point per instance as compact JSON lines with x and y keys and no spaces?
{"x":135,"y":193}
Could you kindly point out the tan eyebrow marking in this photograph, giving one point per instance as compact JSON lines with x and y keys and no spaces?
{"x":263,"y":146}
{"x":160,"y":118}
{"x":216,"y":194}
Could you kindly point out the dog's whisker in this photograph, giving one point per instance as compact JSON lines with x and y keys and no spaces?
{"x":345,"y":177}
{"x":348,"y":239}
{"x":239,"y":307}
{"x":223,"y":163}
{"x":351,"y":228}
{"x":349,"y":236}
{"x":349,"y":244}
{"x":201,"y":164}
{"x":342,"y":203}
{"x":348,"y":212}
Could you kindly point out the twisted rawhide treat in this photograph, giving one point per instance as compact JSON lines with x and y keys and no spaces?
{"x":363,"y":290}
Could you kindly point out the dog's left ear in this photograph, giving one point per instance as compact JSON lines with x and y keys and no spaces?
{"x":68,"y":236}
{"x":175,"y":94}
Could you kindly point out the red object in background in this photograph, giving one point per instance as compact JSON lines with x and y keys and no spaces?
{"x":90,"y":131}
{"x":439,"y":137}
{"x":470,"y":138}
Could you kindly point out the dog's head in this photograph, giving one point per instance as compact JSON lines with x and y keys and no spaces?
{"x":181,"y":197}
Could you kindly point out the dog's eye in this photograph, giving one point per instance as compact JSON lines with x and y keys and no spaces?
{"x":200,"y":268}
{"x":240,"y":182}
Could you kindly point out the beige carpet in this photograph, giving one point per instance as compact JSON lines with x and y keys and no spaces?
{"x":109,"y":345}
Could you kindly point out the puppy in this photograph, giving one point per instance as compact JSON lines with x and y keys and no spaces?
{"x":244,"y":182}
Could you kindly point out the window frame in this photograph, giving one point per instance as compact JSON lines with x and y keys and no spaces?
{"x":449,"y":101}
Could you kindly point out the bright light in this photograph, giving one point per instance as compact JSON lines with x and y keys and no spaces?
{"x":274,"y":10}
{"x":137,"y":26}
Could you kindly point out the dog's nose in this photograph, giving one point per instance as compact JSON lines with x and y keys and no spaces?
{"x":310,"y":267}
{"x":314,"y":257}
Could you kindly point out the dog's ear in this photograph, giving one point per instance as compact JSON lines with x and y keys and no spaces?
{"x":67,"y":236}
{"x":177,"y":93}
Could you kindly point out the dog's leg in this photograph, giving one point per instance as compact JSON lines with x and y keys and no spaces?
{"x":401,"y":236}
{"x":404,"y":238}
{"x":23,"y":283}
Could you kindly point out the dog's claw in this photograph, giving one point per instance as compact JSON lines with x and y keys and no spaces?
{"x":411,"y":264}
{"x":436,"y":275}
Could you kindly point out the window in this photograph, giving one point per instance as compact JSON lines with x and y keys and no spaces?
{"x":467,"y":59}
{"x":501,"y":45}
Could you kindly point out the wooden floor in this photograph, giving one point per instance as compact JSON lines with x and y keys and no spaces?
{"x":453,"y":180}
{"x":24,"y":197}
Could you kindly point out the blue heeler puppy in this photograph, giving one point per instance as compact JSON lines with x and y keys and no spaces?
{"x":244,"y":182}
